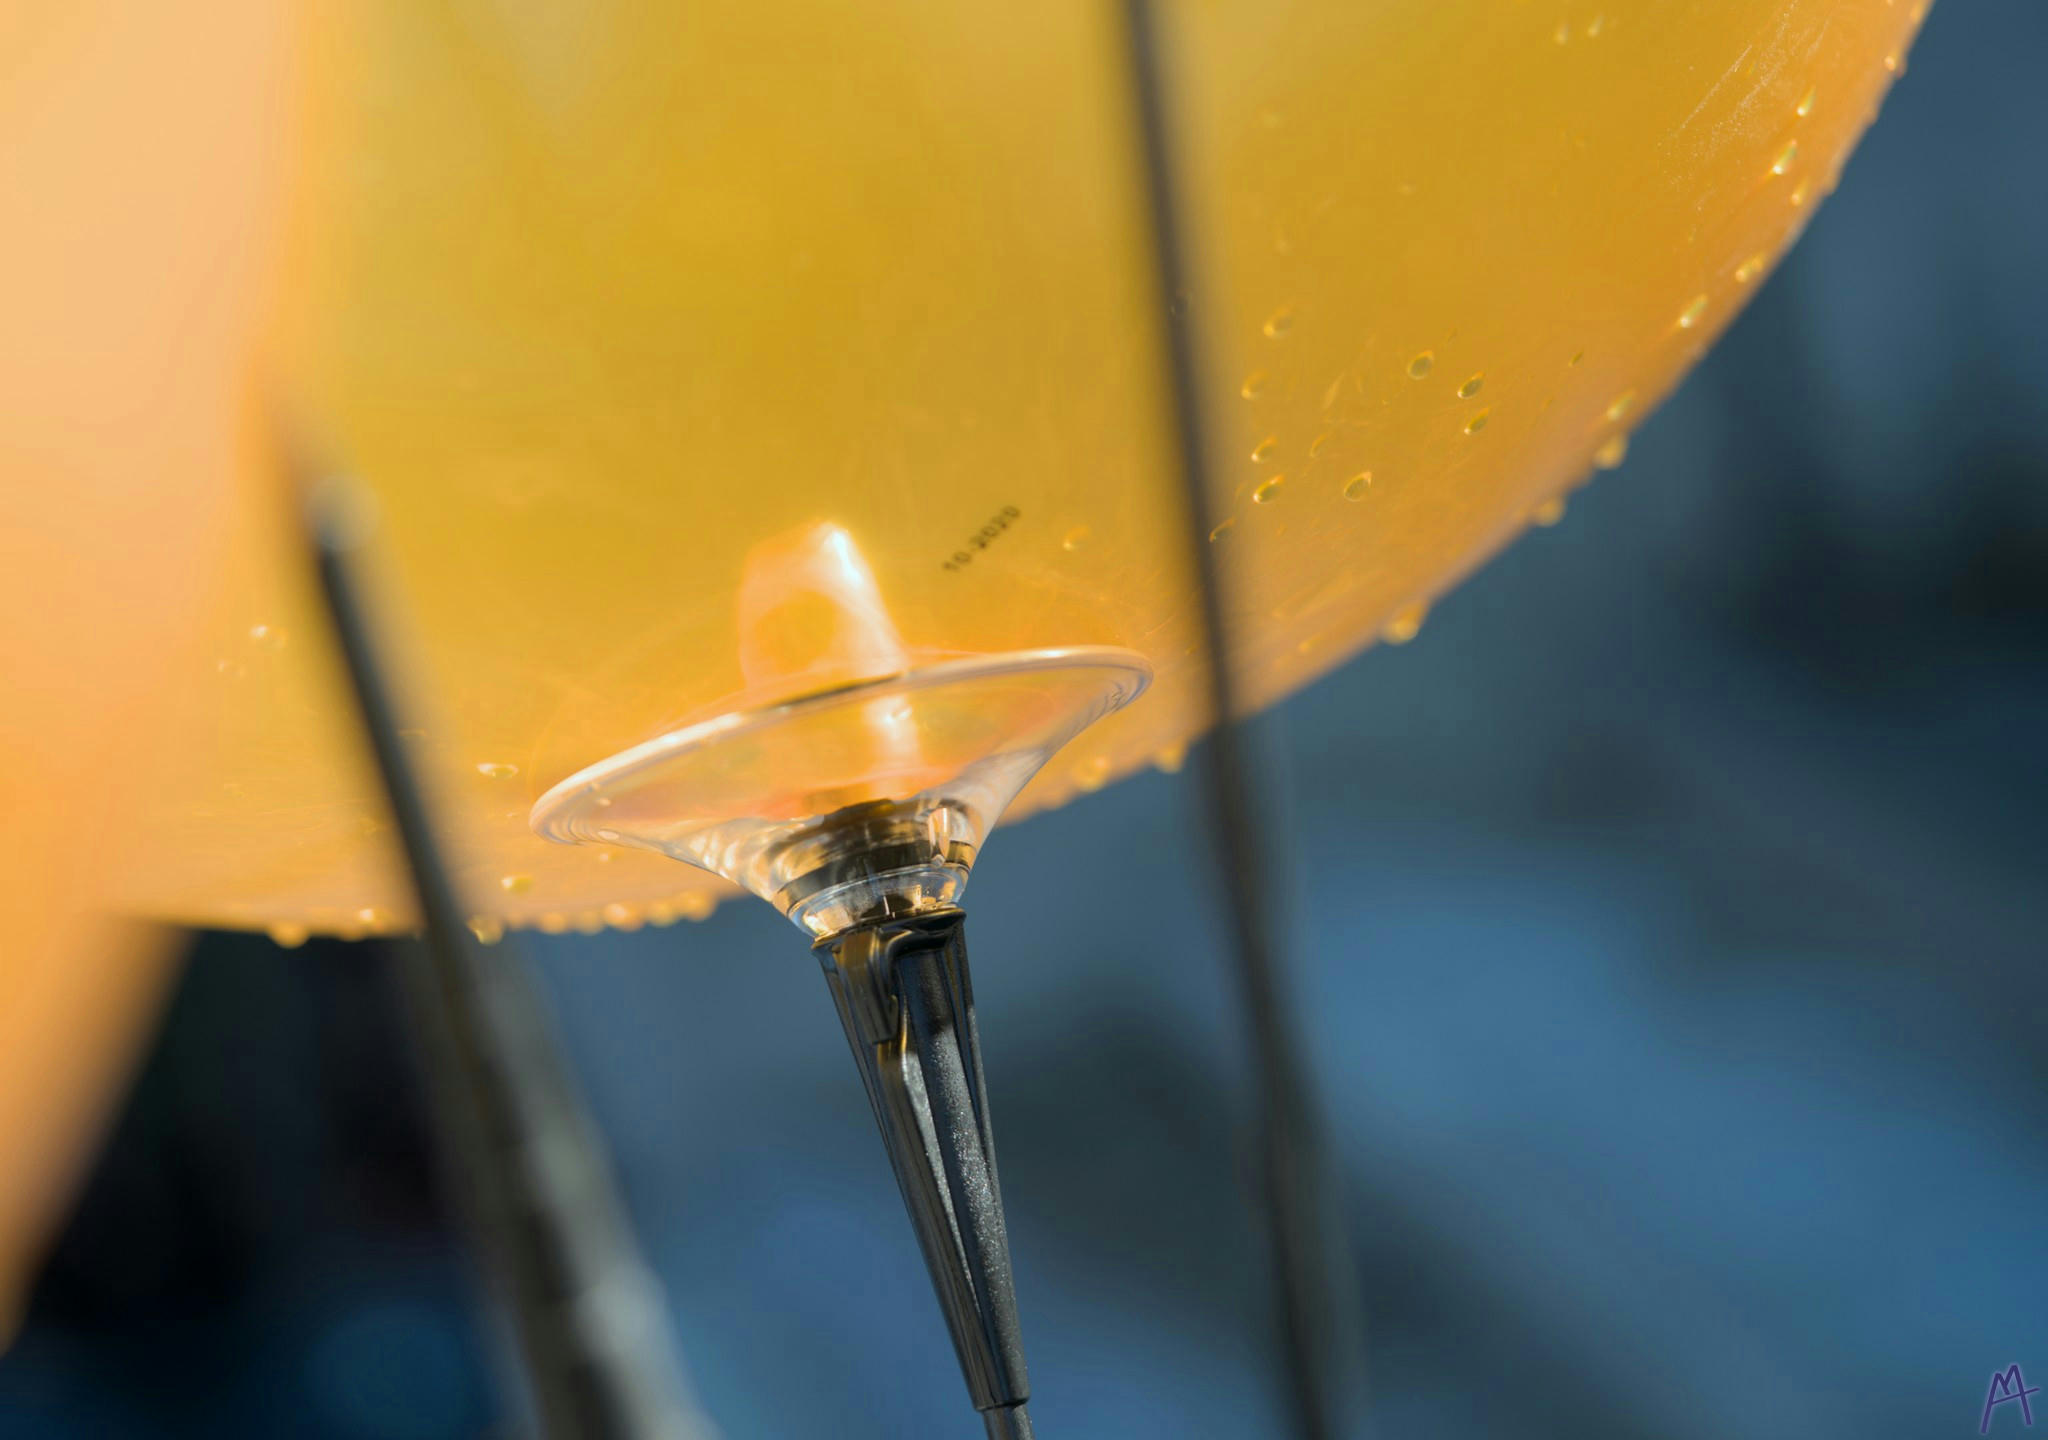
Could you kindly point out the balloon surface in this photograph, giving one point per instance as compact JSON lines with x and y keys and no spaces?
{"x":138,"y":231}
{"x":598,"y":301}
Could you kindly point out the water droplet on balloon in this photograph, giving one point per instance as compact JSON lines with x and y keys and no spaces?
{"x":1171,"y":758}
{"x":1217,"y":533}
{"x":1265,"y":448}
{"x":1253,"y":384}
{"x":660,"y":912}
{"x":1405,"y":623}
{"x":1690,"y":315}
{"x":695,"y":906}
{"x":1477,"y":422}
{"x":289,"y":935}
{"x":552,"y":923}
{"x":270,"y":637}
{"x":1749,"y":269}
{"x":1610,"y":455}
{"x":488,"y":929}
{"x":1471,"y":387}
{"x":590,"y":922}
{"x":622,"y":917}
{"x":1268,"y":490}
{"x":1577,"y":356}
{"x":1563,"y":33}
{"x":1421,"y":365}
{"x":1093,"y":773}
{"x":1595,"y":26}
{"x":1315,"y":446}
{"x":1893,"y":63}
{"x":1786,"y":158}
{"x":1802,"y":191}
{"x":1549,"y":512}
{"x":497,"y":769}
{"x":1619,"y":407}
{"x":611,"y":835}
{"x":1357,"y":485}
{"x":1805,"y":105}
{"x":1074,"y":539}
{"x":1279,"y":323}
{"x":515,"y":884}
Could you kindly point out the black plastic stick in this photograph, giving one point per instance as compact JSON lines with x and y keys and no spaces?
{"x":1311,"y":1268}
{"x":599,"y":1357}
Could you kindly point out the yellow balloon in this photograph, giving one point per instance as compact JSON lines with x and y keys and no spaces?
{"x":605,"y":303}
{"x":137,"y":241}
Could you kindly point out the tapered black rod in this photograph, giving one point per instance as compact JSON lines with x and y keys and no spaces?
{"x":598,"y":1355}
{"x":1311,"y":1268}
{"x":906,"y":999}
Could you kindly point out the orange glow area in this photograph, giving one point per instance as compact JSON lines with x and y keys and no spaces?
{"x":597,"y":302}
{"x":144,"y":150}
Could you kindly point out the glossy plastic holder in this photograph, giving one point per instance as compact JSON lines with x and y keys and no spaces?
{"x":865,"y":802}
{"x":859,"y":811}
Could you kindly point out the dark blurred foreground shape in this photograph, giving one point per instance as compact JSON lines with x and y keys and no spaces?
{"x":1671,"y":916}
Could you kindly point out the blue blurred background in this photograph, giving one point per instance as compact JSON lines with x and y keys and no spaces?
{"x":1669,"y":937}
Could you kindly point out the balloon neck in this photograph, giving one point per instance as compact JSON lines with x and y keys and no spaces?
{"x":871,"y":863}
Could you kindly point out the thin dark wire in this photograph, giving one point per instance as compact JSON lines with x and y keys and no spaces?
{"x":599,"y":1358}
{"x":1315,"y":1319}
